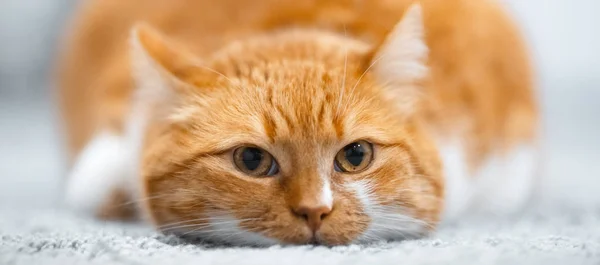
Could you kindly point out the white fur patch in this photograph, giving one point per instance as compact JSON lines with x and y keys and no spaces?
{"x":387,"y":223}
{"x":101,"y":166}
{"x":501,"y":186}
{"x":326,"y":195}
{"x":459,"y":187}
{"x":504,"y":183}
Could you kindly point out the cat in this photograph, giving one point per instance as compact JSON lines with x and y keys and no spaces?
{"x":297,"y":121}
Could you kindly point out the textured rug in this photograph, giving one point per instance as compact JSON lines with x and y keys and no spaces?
{"x":57,"y":237}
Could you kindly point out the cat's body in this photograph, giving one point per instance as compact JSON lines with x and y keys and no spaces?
{"x":452,"y":130}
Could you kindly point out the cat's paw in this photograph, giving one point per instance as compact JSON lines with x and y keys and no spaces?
{"x":97,"y":171}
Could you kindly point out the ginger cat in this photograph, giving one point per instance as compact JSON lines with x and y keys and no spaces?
{"x":297,"y":121}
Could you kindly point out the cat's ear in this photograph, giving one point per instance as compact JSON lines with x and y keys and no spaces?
{"x":400,"y":62}
{"x":162,"y":70}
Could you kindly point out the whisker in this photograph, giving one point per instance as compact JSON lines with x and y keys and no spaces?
{"x":187,"y":221}
{"x":390,"y":230}
{"x":209,"y":224}
{"x":211,"y":219}
{"x":207,"y":232}
{"x":220,"y":74}
{"x":186,"y":226}
{"x":405,"y":220}
{"x":134,"y":201}
{"x":242,"y":230}
{"x":362,"y":75}
{"x":343,"y":87}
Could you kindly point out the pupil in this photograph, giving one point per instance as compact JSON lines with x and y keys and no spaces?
{"x":252,"y":157}
{"x":354,"y":154}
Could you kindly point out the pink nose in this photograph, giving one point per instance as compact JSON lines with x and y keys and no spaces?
{"x":313,"y":215}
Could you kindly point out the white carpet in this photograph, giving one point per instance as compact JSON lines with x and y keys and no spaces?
{"x":54,"y":237}
{"x":34,"y":230}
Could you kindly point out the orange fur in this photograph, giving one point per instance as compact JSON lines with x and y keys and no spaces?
{"x":293,"y":78}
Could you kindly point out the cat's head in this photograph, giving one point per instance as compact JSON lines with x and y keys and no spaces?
{"x":293,"y":137}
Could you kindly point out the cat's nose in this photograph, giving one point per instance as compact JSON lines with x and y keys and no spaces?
{"x":313,"y":215}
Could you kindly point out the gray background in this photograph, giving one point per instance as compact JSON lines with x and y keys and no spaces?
{"x":563,"y":35}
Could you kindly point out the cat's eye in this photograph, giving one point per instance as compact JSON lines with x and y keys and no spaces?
{"x":255,"y":161}
{"x":354,"y":157}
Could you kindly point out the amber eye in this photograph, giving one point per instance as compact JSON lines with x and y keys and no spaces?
{"x":255,"y":161}
{"x":354,"y":157}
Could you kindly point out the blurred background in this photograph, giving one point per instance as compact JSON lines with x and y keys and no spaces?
{"x":563,"y":37}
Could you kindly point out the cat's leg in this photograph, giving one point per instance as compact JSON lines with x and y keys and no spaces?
{"x":97,"y":183}
{"x":505,"y":183}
